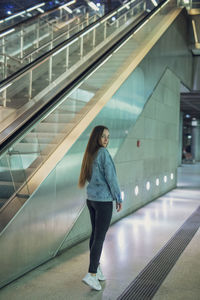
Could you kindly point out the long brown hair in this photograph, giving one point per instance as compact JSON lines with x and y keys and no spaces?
{"x":90,"y":153}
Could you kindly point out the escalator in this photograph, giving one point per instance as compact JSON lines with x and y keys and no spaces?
{"x":39,"y":136}
{"x":29,"y":39}
{"x":37,"y":88}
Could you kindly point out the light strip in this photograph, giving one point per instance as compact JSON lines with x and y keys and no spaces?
{"x":36,"y":6}
{"x":40,"y":10}
{"x":195,"y":31}
{"x":90,"y":29}
{"x":1,"y":21}
{"x":13,"y":16}
{"x":136,"y":190}
{"x":7,"y":32}
{"x":93,"y":6}
{"x":68,"y":9}
{"x":127,"y":5}
{"x":154,"y":2}
{"x":5,"y":87}
{"x":65,"y":5}
{"x":65,"y":47}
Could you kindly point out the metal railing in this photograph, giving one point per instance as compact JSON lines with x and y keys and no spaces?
{"x":25,"y":42}
{"x":35,"y":80}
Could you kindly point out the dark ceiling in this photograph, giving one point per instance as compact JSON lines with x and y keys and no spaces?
{"x":190,"y":104}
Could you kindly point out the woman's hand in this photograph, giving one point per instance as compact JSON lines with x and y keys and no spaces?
{"x":118,"y":206}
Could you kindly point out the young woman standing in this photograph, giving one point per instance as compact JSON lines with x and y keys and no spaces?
{"x":99,"y":171}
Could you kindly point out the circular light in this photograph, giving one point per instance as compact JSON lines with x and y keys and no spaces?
{"x":157,"y":181}
{"x":113,"y":18}
{"x":9,"y":12}
{"x":165,"y":178}
{"x":148,"y":185}
{"x":172,"y":176}
{"x":136,"y":190}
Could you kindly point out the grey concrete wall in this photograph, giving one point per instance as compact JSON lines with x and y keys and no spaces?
{"x":157,"y":129}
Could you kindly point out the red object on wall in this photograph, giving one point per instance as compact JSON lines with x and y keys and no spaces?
{"x":138,"y":143}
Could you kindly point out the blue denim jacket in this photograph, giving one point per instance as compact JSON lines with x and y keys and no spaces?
{"x":103,"y":185}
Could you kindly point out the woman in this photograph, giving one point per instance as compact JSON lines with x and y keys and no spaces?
{"x":99,"y":170}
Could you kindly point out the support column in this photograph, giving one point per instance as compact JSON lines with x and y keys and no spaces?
{"x":180,"y":139}
{"x":194,"y":145}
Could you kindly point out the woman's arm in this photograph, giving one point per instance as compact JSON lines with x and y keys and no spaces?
{"x":111,"y":177}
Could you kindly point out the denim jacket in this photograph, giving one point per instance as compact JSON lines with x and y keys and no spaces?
{"x":103,"y":185}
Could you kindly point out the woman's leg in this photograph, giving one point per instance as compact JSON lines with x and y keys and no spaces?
{"x":103,"y":215}
{"x":92,"y":219}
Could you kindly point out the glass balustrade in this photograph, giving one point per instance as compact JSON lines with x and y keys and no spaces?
{"x":25,"y":44}
{"x":41,"y":80}
{"x":13,"y":176}
{"x":30,"y":151}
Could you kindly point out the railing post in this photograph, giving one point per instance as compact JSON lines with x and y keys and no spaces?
{"x":144,"y":6}
{"x":37,"y":32}
{"x":30,"y":84}
{"x":81,"y":45}
{"x":4,"y":98}
{"x":50,"y":65}
{"x":94,"y":33}
{"x":5,"y":65}
{"x":67,"y":53}
{"x":117,"y":23}
{"x":30,"y":89}
{"x":105,"y":29}
{"x":52,"y":32}
{"x":87,"y":19}
{"x":21,"y":41}
{"x":125,"y":17}
{"x":4,"y":58}
{"x":61,"y":13}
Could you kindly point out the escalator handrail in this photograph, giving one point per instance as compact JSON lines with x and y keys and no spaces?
{"x":43,"y":111}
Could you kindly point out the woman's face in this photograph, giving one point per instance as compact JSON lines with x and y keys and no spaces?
{"x":104,"y":139}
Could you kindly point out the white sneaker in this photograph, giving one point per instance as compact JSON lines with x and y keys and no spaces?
{"x":92,"y":281}
{"x":100,"y":275}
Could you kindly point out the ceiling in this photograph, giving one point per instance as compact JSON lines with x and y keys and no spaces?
{"x":190,"y":104}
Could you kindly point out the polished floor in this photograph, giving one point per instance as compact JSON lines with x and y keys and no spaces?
{"x":130,"y":244}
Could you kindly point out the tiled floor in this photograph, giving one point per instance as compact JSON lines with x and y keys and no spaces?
{"x":130,"y":244}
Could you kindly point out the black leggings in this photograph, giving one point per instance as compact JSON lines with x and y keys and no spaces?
{"x":100,"y":215}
